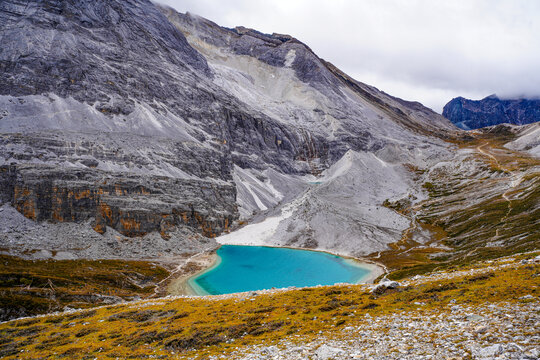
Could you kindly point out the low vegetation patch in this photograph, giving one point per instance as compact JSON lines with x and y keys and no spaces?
{"x":31,"y":287}
{"x":195,"y":328}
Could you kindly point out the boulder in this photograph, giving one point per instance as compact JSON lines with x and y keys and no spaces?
{"x":325,"y":352}
{"x":381,"y":288}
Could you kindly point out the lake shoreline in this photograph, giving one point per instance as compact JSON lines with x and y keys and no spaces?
{"x":183,"y":285}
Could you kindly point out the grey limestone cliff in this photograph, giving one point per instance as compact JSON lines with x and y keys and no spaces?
{"x":128,"y":117}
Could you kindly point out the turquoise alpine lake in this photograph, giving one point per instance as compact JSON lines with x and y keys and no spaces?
{"x":250,"y":268}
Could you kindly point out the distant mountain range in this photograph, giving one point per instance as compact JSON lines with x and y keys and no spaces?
{"x":473,"y":114}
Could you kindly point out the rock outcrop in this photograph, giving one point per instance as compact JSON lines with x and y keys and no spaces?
{"x":473,"y":114}
{"x":133,"y":205}
{"x":71,"y":183}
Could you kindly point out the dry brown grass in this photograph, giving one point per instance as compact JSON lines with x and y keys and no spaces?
{"x":196,"y":328}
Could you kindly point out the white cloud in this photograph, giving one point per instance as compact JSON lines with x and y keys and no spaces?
{"x":423,"y":50}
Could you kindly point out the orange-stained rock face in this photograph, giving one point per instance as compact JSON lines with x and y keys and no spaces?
{"x":99,"y":228}
{"x":24,"y":202}
{"x":144,"y":191}
{"x":56,"y":205}
{"x":80,"y":194}
{"x":105,"y":211}
{"x":166,"y":225}
{"x":130,"y":227}
{"x":131,"y":209}
{"x":204,"y":225}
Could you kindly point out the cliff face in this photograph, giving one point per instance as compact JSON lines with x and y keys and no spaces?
{"x":129,"y":116}
{"x":473,"y":114}
{"x":133,"y":206}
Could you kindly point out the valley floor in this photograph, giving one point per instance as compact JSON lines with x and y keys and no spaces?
{"x":488,"y":310}
{"x":483,"y":204}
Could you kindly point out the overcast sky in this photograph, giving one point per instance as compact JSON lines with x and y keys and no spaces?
{"x":425,"y":50}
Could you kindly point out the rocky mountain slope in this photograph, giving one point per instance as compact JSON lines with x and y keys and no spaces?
{"x":131,"y":131}
{"x":127,"y":120}
{"x":527,"y":139}
{"x":473,"y":114}
{"x":135,"y":139}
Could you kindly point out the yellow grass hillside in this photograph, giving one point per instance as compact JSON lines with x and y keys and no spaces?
{"x":349,"y":317}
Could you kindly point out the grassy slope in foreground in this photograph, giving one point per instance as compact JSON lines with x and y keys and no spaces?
{"x":31,"y":287}
{"x":200,"y":327}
